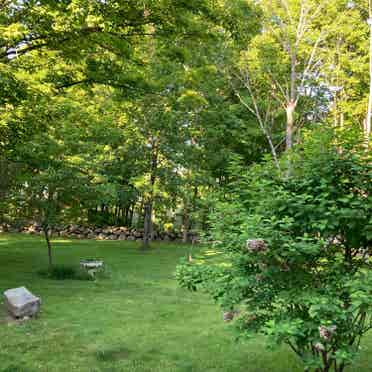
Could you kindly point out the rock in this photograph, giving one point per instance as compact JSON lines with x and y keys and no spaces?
{"x":92,"y":232}
{"x":101,"y":236}
{"x":20,"y":302}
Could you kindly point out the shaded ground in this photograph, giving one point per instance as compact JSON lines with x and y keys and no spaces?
{"x":138,"y":320}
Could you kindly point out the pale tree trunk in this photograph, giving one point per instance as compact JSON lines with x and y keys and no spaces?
{"x":291,"y":107}
{"x":290,"y":110}
{"x":291,"y":103}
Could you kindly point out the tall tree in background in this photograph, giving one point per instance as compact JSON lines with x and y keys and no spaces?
{"x":284,"y":62}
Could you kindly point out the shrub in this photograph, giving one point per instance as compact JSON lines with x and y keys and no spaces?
{"x":297,"y":254}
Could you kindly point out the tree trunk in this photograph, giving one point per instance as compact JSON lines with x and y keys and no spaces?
{"x":147,"y":225}
{"x":131,"y":215}
{"x":126,"y":216}
{"x":46,"y":234}
{"x":152,"y":218}
{"x":290,"y":110}
{"x":139,"y":214}
{"x":147,"y":234}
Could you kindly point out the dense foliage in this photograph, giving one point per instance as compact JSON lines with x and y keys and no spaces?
{"x":111,"y":93}
{"x":161,"y":95}
{"x":296,"y":253}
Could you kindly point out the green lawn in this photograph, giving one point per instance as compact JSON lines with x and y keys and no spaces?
{"x":138,"y":320}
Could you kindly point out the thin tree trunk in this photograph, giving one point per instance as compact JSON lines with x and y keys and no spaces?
{"x":291,"y":104}
{"x":139,"y":214}
{"x":290,"y":109}
{"x":150,"y":201}
{"x":131,"y":215}
{"x":152,"y":216}
{"x":46,"y":234}
{"x":147,"y":225}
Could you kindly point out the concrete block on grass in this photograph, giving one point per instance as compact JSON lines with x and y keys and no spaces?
{"x":20,"y":302}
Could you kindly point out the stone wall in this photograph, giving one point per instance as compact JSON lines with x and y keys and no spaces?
{"x":97,"y":233}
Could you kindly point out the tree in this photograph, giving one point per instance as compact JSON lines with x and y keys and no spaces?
{"x":97,"y":41}
{"x":296,"y":253}
{"x":361,"y":11}
{"x":281,"y":65}
{"x":56,"y":180}
{"x":51,"y":196}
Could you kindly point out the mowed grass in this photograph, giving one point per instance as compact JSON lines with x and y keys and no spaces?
{"x":137,"y":320}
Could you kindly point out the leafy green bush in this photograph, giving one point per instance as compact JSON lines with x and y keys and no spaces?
{"x":297,"y":252}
